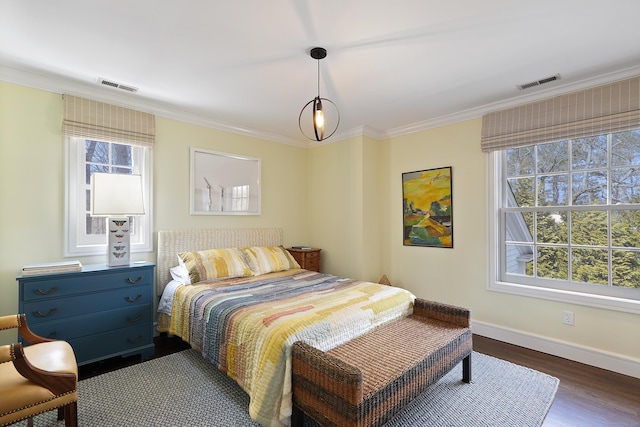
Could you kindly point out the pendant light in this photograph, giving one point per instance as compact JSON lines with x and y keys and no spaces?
{"x":318,"y":117}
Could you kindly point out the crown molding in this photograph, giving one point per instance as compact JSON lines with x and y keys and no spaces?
{"x":556,"y":89}
{"x":62,"y":84}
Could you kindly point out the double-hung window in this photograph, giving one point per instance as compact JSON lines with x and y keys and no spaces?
{"x":564,"y":214}
{"x":104,"y":138}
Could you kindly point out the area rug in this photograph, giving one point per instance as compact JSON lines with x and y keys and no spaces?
{"x":182,"y":389}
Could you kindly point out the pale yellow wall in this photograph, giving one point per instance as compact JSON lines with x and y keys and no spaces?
{"x":284,"y":171}
{"x":459,"y":275}
{"x":334,"y":211}
{"x":32,"y":184}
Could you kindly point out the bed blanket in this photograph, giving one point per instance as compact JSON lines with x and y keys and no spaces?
{"x":247,"y":326}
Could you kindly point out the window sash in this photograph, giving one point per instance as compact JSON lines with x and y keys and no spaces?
{"x":498,"y":281}
{"x":506,"y":205}
{"x":77,"y":241}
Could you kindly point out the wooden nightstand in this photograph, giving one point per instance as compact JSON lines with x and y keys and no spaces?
{"x":309,"y":259}
{"x":101,"y":311}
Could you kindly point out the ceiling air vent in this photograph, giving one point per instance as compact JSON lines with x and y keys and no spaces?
{"x":117,"y":85}
{"x":538,"y":82}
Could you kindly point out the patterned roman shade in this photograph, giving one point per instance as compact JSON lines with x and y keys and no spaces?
{"x":89,"y":119}
{"x":599,"y":110}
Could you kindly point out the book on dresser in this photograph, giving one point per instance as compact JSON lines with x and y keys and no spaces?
{"x":51,"y":267}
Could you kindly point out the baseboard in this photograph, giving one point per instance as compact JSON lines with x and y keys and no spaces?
{"x":601,"y":359}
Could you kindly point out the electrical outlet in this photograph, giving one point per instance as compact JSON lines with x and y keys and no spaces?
{"x":568,"y":318}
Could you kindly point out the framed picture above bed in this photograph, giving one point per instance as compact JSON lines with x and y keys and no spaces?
{"x":224,"y":183}
{"x":427,"y":208}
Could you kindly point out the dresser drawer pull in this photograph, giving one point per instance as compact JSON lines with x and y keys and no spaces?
{"x":135,"y":319}
{"x":134,"y":299}
{"x":49,"y":292}
{"x":134,"y":282}
{"x":135,"y":341}
{"x":50,"y":313}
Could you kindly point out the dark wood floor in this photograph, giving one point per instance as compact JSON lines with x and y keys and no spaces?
{"x":586,"y":397}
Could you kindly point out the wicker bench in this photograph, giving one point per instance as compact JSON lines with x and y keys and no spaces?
{"x":367,"y":381}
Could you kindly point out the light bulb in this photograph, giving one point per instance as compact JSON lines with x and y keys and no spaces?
{"x":319,"y":119}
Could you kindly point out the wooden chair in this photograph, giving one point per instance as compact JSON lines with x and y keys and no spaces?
{"x":36,"y":378}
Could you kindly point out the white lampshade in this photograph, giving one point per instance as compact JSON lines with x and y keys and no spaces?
{"x":116,"y":195}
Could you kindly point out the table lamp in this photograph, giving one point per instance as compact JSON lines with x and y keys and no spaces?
{"x":117,"y":197}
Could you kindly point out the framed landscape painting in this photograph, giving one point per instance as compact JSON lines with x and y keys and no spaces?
{"x":427,"y":208}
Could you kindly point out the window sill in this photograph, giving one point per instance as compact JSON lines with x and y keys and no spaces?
{"x":91,"y":250}
{"x":590,"y":300}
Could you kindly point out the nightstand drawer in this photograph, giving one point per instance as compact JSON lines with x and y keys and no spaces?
{"x":89,"y":324}
{"x":59,"y":308}
{"x":309,"y":259}
{"x":312,"y":263}
{"x":113,"y":343}
{"x":55,"y":286}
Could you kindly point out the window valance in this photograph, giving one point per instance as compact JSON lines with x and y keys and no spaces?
{"x":599,"y":110}
{"x":89,"y":119}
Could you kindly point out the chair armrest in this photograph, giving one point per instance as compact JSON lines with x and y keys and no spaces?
{"x":20,"y":321}
{"x":447,"y":313}
{"x":6,"y":353}
{"x":57,"y":382}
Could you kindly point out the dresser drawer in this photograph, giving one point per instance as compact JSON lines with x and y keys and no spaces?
{"x":55,"y":286}
{"x":58,"y":308}
{"x":101,"y":311}
{"x":113,"y":343}
{"x":74,"y":327}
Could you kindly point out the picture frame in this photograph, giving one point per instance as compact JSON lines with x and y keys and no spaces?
{"x":427,"y":214}
{"x":224,"y":183}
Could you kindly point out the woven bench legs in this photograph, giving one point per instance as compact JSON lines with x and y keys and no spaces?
{"x":466,"y":369}
{"x":297,"y":417}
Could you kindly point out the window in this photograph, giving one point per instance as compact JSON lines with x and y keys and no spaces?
{"x":86,"y":235}
{"x":567,"y":220}
{"x":240,"y":198}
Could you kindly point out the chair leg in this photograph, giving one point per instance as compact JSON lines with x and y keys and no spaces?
{"x":71,"y":415}
{"x":30,"y":422}
{"x":61,"y":413}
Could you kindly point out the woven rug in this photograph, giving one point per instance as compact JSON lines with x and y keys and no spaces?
{"x":182,"y":389}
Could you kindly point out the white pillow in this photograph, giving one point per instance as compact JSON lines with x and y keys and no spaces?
{"x":180,"y":273}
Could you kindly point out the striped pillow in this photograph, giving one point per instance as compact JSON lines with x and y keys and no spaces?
{"x":267,"y":259}
{"x":214,"y":264}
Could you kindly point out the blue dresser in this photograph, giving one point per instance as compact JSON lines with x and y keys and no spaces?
{"x":101,"y":311}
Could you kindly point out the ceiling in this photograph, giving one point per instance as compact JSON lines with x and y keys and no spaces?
{"x":392,"y":67}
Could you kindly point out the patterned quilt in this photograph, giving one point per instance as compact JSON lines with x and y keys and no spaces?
{"x":246,"y":326}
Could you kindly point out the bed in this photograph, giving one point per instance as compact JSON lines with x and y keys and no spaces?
{"x":238,"y":297}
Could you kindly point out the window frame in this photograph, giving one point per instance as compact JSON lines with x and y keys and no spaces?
{"x":495,"y":282}
{"x":74,"y":188}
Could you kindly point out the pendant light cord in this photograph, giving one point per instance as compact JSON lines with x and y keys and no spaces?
{"x":318,"y":78}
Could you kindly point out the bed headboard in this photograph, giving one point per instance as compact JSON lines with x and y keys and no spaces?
{"x":172,"y":242}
